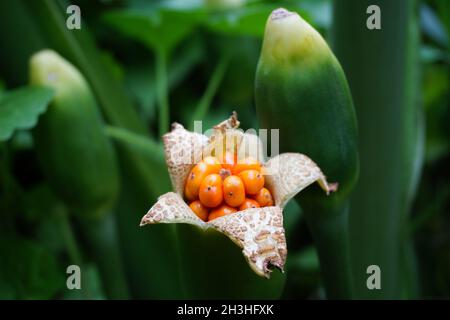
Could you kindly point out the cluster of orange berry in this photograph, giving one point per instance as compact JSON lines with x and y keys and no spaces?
{"x":216,"y":188}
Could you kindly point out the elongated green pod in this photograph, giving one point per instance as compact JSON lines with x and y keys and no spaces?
{"x":76,"y":157}
{"x":79,"y":161}
{"x":42,"y":23}
{"x":301,"y":90}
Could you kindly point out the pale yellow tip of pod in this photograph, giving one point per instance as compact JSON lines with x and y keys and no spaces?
{"x":288,"y":36}
{"x":48,"y":68}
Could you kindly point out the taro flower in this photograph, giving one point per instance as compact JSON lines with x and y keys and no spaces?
{"x":258,"y":231}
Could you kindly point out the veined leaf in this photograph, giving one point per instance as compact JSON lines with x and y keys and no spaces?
{"x":140,"y":76}
{"x":21,"y":108}
{"x":247,"y":20}
{"x":161,"y":29}
{"x":243,"y":21}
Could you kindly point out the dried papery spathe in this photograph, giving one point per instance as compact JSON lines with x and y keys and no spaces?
{"x":258,"y":231}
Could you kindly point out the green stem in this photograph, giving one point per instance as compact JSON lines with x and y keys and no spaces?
{"x":69,"y":237}
{"x":211,"y":90}
{"x":384,"y":88}
{"x":71,"y":245}
{"x":329,"y":228}
{"x":101,"y":236}
{"x":162,"y":91}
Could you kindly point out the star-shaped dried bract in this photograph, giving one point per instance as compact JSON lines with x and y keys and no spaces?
{"x":258,"y":231}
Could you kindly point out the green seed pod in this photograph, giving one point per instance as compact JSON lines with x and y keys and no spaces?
{"x":76,"y":157}
{"x":302,"y":90}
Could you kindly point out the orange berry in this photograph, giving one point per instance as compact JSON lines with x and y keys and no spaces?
{"x":221,"y":211}
{"x":228,"y":161}
{"x":200,"y":210}
{"x":213,"y":164}
{"x":197,"y":174}
{"x":233,"y":191}
{"x":210,"y":193}
{"x":248,"y":163}
{"x":253,"y":181}
{"x":224,"y":173}
{"x":264,"y":198}
{"x":249,"y":203}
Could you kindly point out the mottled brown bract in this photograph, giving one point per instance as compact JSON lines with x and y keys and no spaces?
{"x":181,"y":150}
{"x":290,"y":173}
{"x":258,"y":231}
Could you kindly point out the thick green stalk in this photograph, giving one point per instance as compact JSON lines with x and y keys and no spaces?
{"x":162,"y":91}
{"x":331,"y":236}
{"x":381,"y":66}
{"x":72,"y":248}
{"x":220,"y":271}
{"x":302,"y":91}
{"x":103,"y":245}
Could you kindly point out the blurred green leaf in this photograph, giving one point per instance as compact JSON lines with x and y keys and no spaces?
{"x":179,"y":5}
{"x":243,"y":21}
{"x":431,"y":54}
{"x":432,"y":26}
{"x":250,"y":19}
{"x":217,"y":5}
{"x":159,"y":28}
{"x":140,"y":77}
{"x":112,"y":65}
{"x":435,"y":85}
{"x":21,"y":108}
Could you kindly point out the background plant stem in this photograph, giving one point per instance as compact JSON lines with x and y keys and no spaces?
{"x":381,"y":67}
{"x":102,"y":240}
{"x":329,"y":228}
{"x":162,"y":91}
{"x":71,"y":245}
{"x":211,"y":90}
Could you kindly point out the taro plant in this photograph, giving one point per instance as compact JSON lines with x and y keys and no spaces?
{"x":86,"y":149}
{"x":301,"y":90}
